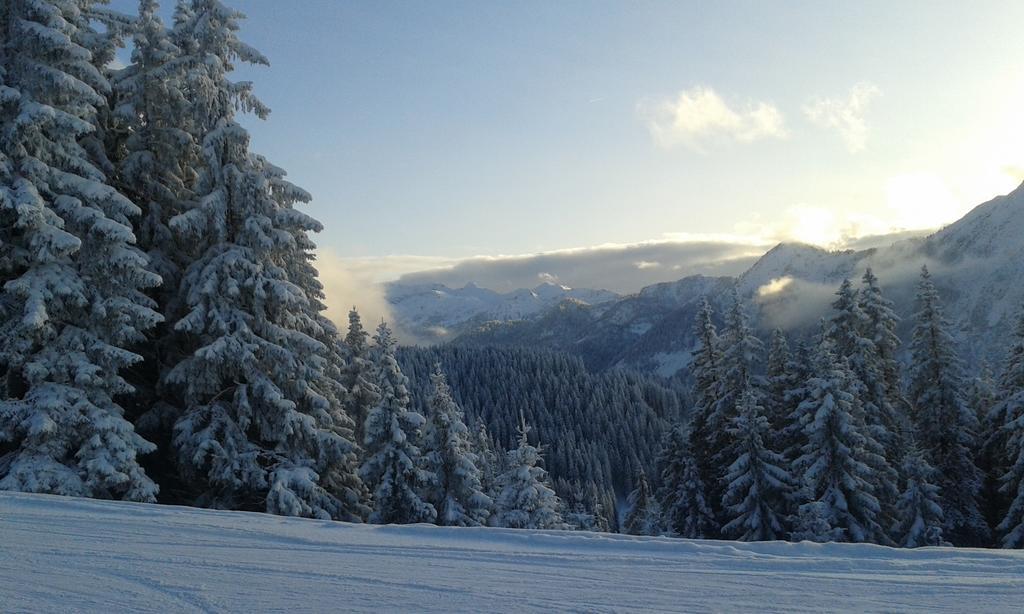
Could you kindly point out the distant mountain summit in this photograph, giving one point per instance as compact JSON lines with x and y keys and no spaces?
{"x":435,"y":312}
{"x":977,"y":264}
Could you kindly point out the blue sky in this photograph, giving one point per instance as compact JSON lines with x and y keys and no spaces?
{"x":435,"y":131}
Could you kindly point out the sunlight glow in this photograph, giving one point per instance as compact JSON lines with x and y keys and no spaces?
{"x":921,"y":200}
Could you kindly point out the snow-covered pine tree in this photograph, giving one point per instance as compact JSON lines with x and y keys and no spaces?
{"x":685,"y":511}
{"x":257,"y":427}
{"x":880,"y":327}
{"x":103,"y":43}
{"x":357,"y":375}
{"x":156,"y":157}
{"x":707,"y":358}
{"x":73,"y":284}
{"x":848,"y":329}
{"x":741,"y":353}
{"x":1011,"y":528}
{"x":810,"y":520}
{"x":158,"y":165}
{"x":782,"y":377}
{"x":692,"y":516}
{"x":706,"y":372}
{"x":837,"y":479}
{"x":997,"y":454}
{"x":983,"y":395}
{"x":1009,"y":394}
{"x":455,"y":489}
{"x":1005,"y":443}
{"x":813,"y":523}
{"x":644,"y":515}
{"x":758,"y":482}
{"x":990,"y":452}
{"x":792,"y":438}
{"x":582,"y":514}
{"x":945,"y":425}
{"x":738,"y":374}
{"x":487,"y":460}
{"x":525,"y":500}
{"x":393,"y":469}
{"x":919,"y":512}
{"x":601,"y":503}
{"x":341,"y":477}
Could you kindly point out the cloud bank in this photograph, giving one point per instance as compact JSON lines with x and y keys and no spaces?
{"x":619,"y":268}
{"x":699,"y":116}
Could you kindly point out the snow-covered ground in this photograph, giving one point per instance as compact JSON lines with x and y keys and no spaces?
{"x":63,"y":554}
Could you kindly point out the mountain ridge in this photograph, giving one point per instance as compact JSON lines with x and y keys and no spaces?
{"x":977,"y":263}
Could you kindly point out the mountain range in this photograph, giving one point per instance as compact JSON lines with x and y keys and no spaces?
{"x":977,"y":263}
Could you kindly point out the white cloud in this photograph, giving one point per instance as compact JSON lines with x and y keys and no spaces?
{"x":612,"y":266}
{"x":698,"y":116}
{"x":774,"y":286}
{"x":347,"y":285}
{"x":845,"y":115}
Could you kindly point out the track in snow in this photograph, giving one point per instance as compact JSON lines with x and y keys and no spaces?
{"x":65,"y":554}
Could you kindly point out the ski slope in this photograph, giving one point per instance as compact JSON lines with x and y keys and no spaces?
{"x":62,"y":554}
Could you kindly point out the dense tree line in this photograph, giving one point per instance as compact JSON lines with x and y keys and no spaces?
{"x":833,"y":441}
{"x":600,"y":429}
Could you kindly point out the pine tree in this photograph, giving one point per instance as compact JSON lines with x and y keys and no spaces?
{"x":601,"y":503}
{"x":1012,"y":526}
{"x":919,"y":511}
{"x":357,"y":376}
{"x":707,"y":358}
{"x":997,"y":454}
{"x":525,"y":500}
{"x":758,"y":482}
{"x":791,"y":437}
{"x":341,"y":476}
{"x":582,"y":513}
{"x":684,"y":508}
{"x":1005,"y":443}
{"x":393,"y":468}
{"x":692,"y":516}
{"x":783,"y":378}
{"x":814,"y":522}
{"x":848,"y":332}
{"x":706,"y":371}
{"x":880,"y":328}
{"x":838,"y":481}
{"x":73,"y":284}
{"x":990,"y":453}
{"x":644,"y":516}
{"x":737,"y":375}
{"x":487,"y":460}
{"x":158,"y":164}
{"x":945,"y":425}
{"x":737,"y":372}
{"x":257,"y":424}
{"x":455,"y":490}
{"x":156,"y":158}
